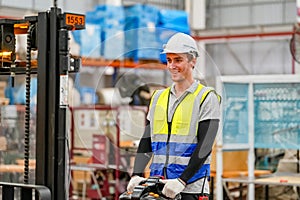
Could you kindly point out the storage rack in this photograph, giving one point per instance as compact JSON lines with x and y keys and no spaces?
{"x":84,"y":146}
{"x":247,"y":93}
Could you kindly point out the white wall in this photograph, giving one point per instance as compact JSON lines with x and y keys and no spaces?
{"x":14,"y":8}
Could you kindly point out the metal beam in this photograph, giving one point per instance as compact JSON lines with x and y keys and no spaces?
{"x":247,"y":33}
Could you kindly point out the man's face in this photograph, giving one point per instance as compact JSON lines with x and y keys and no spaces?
{"x":180,"y":67}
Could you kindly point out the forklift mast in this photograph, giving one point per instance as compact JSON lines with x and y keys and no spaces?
{"x":48,"y":32}
{"x":54,"y":64}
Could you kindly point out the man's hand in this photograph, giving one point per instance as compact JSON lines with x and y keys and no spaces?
{"x":172,"y":187}
{"x":134,"y":181}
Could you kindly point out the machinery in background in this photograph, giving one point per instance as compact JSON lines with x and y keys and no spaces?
{"x":132,"y":86}
{"x":48,"y":34}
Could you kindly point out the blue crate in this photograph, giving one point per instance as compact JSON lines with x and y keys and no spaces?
{"x":142,"y":13}
{"x":142,"y":44}
{"x":113,"y":44}
{"x":173,"y":17}
{"x":110,"y":16}
{"x":140,"y":32}
{"x":171,"y":22}
{"x":111,"y":19}
{"x":90,"y":41}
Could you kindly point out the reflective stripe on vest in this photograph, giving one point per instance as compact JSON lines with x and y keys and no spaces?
{"x":183,"y":140}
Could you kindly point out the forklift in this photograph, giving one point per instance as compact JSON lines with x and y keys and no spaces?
{"x":48,"y":33}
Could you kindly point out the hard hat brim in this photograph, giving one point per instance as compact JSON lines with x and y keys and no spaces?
{"x":169,"y":51}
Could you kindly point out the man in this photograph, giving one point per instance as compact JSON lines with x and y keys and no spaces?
{"x":182,"y":125}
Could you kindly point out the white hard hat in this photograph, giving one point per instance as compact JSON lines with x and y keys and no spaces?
{"x":181,"y":43}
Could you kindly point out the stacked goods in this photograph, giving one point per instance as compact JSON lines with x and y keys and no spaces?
{"x":104,"y":33}
{"x":137,"y":32}
{"x":89,"y":38}
{"x":90,"y":41}
{"x":171,"y":22}
{"x":111,"y":19}
{"x":140,"y":32}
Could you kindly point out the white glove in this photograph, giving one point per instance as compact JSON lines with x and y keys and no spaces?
{"x":134,"y":181}
{"x":172,"y":187}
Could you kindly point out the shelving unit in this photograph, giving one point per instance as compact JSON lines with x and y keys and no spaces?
{"x":96,"y":62}
{"x":146,"y":64}
{"x":89,"y":125}
{"x":245,"y":102}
